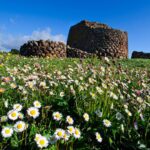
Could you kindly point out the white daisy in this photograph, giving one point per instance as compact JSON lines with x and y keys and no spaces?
{"x":3,"y":119}
{"x":106,"y":123}
{"x":86,"y":117}
{"x":37,"y":104}
{"x":7,"y":132}
{"x":17,"y":107}
{"x":20,"y":126}
{"x":66,"y":136}
{"x":125,"y":106}
{"x":128,"y":112}
{"x":70,"y":129}
{"x":13,"y":85}
{"x":21,"y":115}
{"x":98,"y":137}
{"x":106,"y":59}
{"x":104,"y":85}
{"x":6,"y":103}
{"x":13,"y":115}
{"x":59,"y":133}
{"x":42,"y":142}
{"x":69,"y":120}
{"x":33,"y":112}
{"x":42,"y":84}
{"x":62,"y":94}
{"x":77,"y":133}
{"x":37,"y":136}
{"x":99,"y":90}
{"x":57,"y":116}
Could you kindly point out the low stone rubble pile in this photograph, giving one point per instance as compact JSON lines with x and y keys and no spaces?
{"x":43,"y":48}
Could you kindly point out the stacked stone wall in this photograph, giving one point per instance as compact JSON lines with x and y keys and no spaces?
{"x":43,"y":48}
{"x":85,"y":39}
{"x":98,"y":39}
{"x":136,"y":54}
{"x":77,"y":53}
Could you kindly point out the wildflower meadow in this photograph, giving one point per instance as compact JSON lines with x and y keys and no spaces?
{"x":81,"y":104}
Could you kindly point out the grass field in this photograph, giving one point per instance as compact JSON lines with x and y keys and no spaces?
{"x":76,"y":104}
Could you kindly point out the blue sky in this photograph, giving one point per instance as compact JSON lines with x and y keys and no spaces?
{"x":21,"y":20}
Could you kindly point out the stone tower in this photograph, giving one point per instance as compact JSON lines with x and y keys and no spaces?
{"x":99,"y":39}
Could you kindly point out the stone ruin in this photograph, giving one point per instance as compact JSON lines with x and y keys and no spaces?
{"x":43,"y":49}
{"x":77,"y":53}
{"x":85,"y":39}
{"x":136,"y":54}
{"x":99,"y":39}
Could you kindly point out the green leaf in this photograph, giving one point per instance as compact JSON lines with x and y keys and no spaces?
{"x":14,"y":142}
{"x":63,"y":103}
{"x":110,"y":141}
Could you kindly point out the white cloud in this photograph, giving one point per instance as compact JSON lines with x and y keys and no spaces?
{"x":8,"y":42}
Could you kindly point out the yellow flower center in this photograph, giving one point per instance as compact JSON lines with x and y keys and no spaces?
{"x":17,"y":107}
{"x":98,"y":136}
{"x":107,"y":122}
{"x":77,"y":132}
{"x":70,"y":129}
{"x":37,"y":104}
{"x":42,"y":142}
{"x":7,"y":131}
{"x":65,"y":135}
{"x":13,"y":114}
{"x":33,"y":112}
{"x":69,"y":120}
{"x":86,"y":116}
{"x":19,"y":126}
{"x":59,"y":133}
{"x":57,"y":115}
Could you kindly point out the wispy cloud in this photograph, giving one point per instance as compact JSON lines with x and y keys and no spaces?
{"x":8,"y":42}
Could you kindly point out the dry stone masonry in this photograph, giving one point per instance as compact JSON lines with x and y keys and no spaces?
{"x":77,"y":53}
{"x":85,"y":39}
{"x":136,"y":54}
{"x":43,"y":49}
{"x":99,"y":39}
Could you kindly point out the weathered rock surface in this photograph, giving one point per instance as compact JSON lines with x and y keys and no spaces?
{"x":77,"y":53}
{"x":99,"y":39}
{"x":136,"y":54}
{"x":43,"y":48}
{"x":86,"y":39}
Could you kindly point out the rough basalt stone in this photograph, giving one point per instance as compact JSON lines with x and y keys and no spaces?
{"x":86,"y":39}
{"x":43,"y":48}
{"x":136,"y":54}
{"x":97,"y":38}
{"x":77,"y":53}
